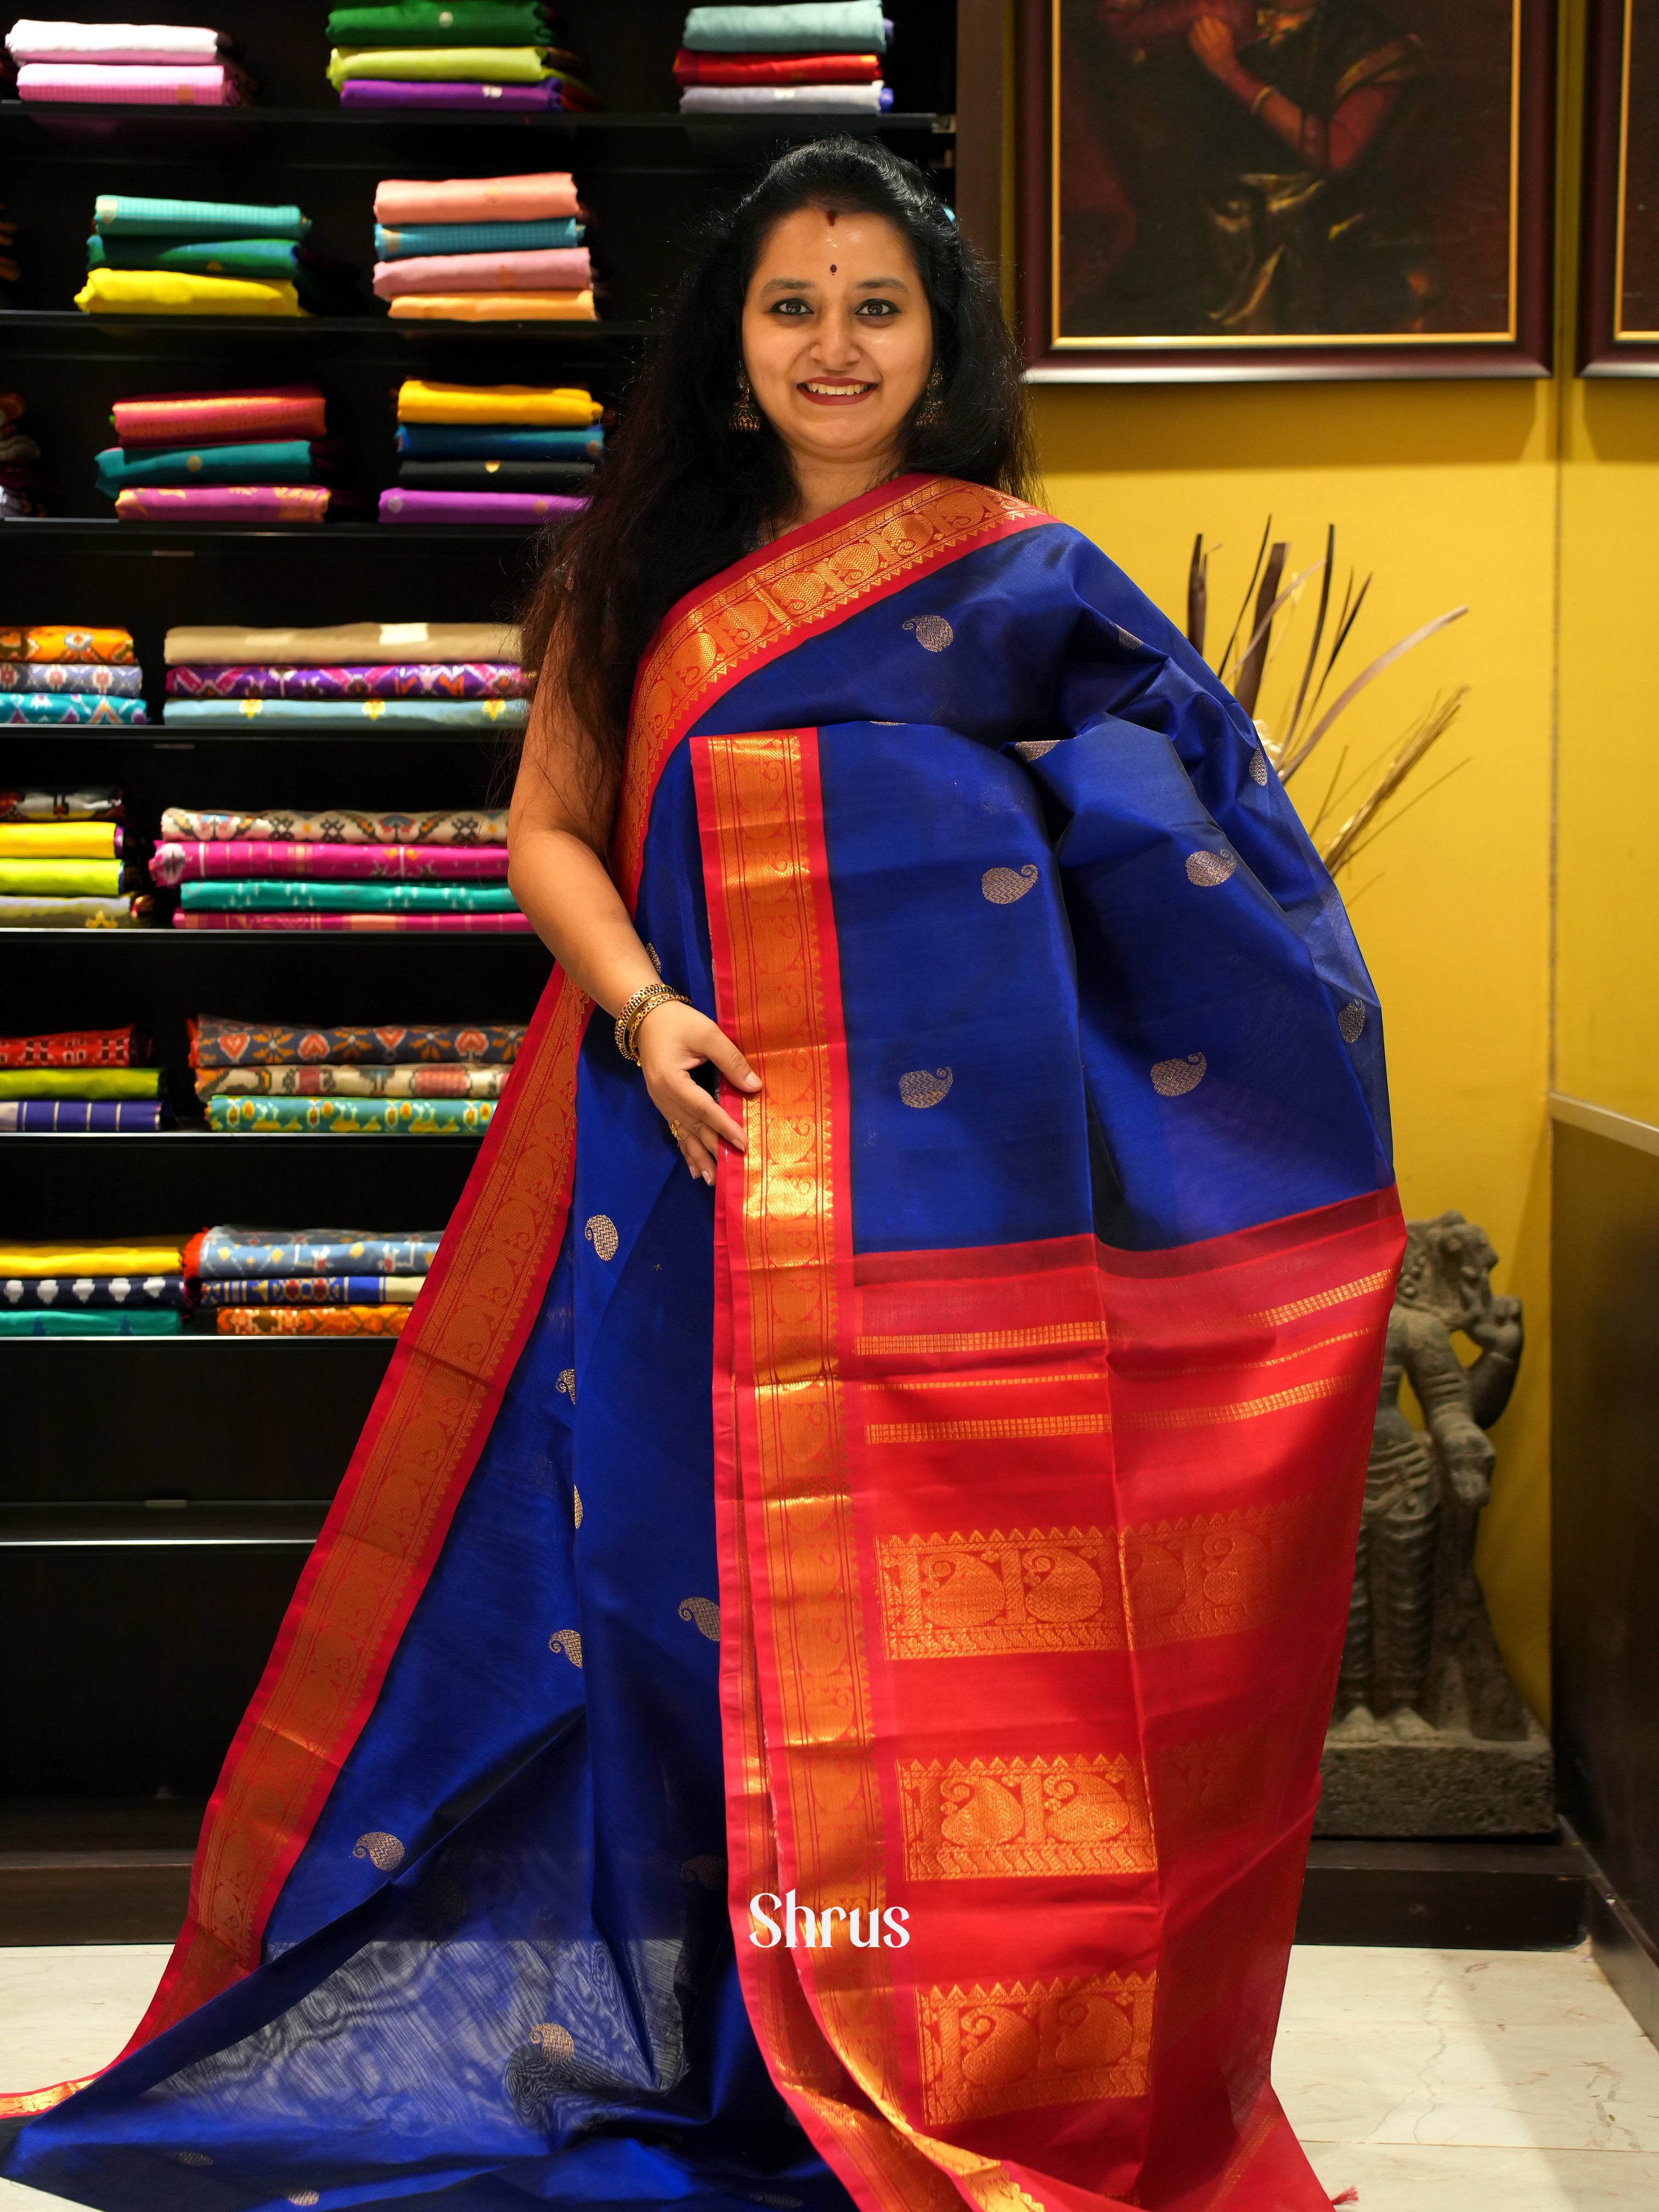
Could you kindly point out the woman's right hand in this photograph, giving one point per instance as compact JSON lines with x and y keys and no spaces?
{"x":672,"y":1041}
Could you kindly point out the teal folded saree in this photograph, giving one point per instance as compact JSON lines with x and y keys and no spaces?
{"x":120,"y":215}
{"x":377,"y":1117}
{"x":279,"y":461}
{"x":256,"y":894}
{"x":200,"y":256}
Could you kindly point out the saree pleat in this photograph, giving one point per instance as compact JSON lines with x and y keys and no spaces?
{"x":945,"y":1521}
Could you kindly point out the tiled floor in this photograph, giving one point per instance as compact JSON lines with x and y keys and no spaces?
{"x":1429,"y":2081}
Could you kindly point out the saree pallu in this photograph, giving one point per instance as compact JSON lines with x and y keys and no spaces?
{"x":350,"y":1117}
{"x":45,"y":1293}
{"x":312,"y":1291}
{"x":175,"y":863}
{"x":233,"y":1254}
{"x":486,"y":924}
{"x":343,"y":825}
{"x":388,"y":713}
{"x":71,"y":1048}
{"x":950,"y":1518}
{"x":69,"y":708}
{"x":277,"y":1082}
{"x":294,"y":411}
{"x":60,"y":841}
{"x":541,"y":197}
{"x":312,"y":1321}
{"x":72,"y":1080}
{"x":473,"y":680}
{"x":346,"y":642}
{"x":76,"y":676}
{"x":97,"y":803}
{"x":80,"y":1117}
{"x":217,"y":1040}
{"x":53,"y":642}
{"x":419,"y":240}
{"x":90,"y":1324}
{"x":225,"y":503}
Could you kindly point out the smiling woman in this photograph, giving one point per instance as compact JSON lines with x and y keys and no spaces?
{"x":937,"y":1509}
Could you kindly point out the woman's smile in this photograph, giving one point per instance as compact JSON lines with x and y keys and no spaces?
{"x":825,"y":394}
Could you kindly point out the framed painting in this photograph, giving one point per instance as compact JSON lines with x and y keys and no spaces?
{"x":1224,"y":190}
{"x":1618,"y":288}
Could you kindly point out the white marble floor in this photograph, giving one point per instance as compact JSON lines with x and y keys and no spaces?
{"x":1427,"y":2080}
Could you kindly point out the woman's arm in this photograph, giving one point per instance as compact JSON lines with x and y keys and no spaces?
{"x":557,"y":831}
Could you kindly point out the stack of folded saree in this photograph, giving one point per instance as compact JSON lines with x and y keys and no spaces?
{"x":60,"y":817}
{"x":498,"y":55}
{"x":341,"y":870}
{"x":210,"y":456}
{"x":78,"y":1081}
{"x":60,"y":673}
{"x":69,"y":1288}
{"x":309,"y":1282}
{"x":396,"y":1079}
{"x":125,"y":65}
{"x":389,"y":676}
{"x":457,"y":279}
{"x":815,"y":55}
{"x":166,"y":257}
{"x":20,"y":454}
{"x":502,"y":452}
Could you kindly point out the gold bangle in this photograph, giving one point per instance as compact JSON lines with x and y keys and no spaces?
{"x":643,"y":1002}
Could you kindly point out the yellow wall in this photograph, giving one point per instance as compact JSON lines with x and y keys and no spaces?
{"x":1448,"y":492}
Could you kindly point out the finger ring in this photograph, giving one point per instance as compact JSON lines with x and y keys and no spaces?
{"x":673,"y":1128}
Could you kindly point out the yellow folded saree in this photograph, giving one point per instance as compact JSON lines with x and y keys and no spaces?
{"x":57,"y":840}
{"x":492,"y":307}
{"x":80,"y":1081}
{"x":440,"y":65}
{"x":176,"y":292}
{"x":61,"y":879}
{"x":530,"y":406}
{"x":159,"y":1256}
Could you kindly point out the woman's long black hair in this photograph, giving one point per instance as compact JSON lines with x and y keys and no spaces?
{"x":682,"y":494}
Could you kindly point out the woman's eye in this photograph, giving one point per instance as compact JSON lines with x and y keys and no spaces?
{"x":878,"y":311}
{"x":795,"y":308}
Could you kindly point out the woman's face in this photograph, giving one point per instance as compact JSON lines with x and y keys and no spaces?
{"x":837,"y":337}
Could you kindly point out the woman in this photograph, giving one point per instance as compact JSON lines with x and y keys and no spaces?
{"x":813,"y":1686}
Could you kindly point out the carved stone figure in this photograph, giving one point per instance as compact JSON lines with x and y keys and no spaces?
{"x":1429,"y":1736}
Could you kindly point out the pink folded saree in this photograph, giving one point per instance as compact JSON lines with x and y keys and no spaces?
{"x":460,"y":508}
{"x":187,"y":860}
{"x":148,"y":84}
{"x":224,"y":503}
{"x":479,"y":925}
{"x":495,"y":307}
{"x":219,"y":418}
{"x":555,"y":268}
{"x":534,"y":198}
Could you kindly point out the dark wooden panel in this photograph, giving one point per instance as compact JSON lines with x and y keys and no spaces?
{"x":1605,"y":1507}
{"x":1444,"y":1896}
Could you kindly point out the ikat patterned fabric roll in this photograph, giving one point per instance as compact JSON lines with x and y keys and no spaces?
{"x":345,"y":644}
{"x":481,"y":925}
{"x":257,"y":502}
{"x":418,"y":240}
{"x":80,"y":1117}
{"x":466,"y":441}
{"x":256,"y":895}
{"x":41,"y":1293}
{"x":230,"y":1251}
{"x":553,"y":268}
{"x":315,"y":1290}
{"x":418,"y":679}
{"x":34,"y":1081}
{"x":121,"y":214}
{"x":51,"y":643}
{"x":29,"y":911}
{"x":796,"y":26}
{"x":554,"y":95}
{"x":444,"y":1081}
{"x":182,"y":861}
{"x":132,"y":84}
{"x":145,"y":1323}
{"x":177,"y":292}
{"x":381,"y":713}
{"x":33,"y":1262}
{"x":312,"y":1321}
{"x":221,"y":1041}
{"x":71,"y":676}
{"x":49,"y":878}
{"x":67,"y":707}
{"x":182,"y":418}
{"x":99,"y":802}
{"x":492,"y":307}
{"x":537,"y":198}
{"x":59,"y":841}
{"x":32,"y":40}
{"x":346,"y":825}
{"x":71,"y":1048}
{"x":691,"y":68}
{"x":441,"y":23}
{"x":351,"y":1117}
{"x":522,"y":509}
{"x":525,"y":406}
{"x":273,"y":461}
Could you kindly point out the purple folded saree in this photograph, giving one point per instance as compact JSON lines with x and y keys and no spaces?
{"x":182,"y":860}
{"x":81,"y":1117}
{"x":549,"y":268}
{"x":557,"y":94}
{"x":524,"y":508}
{"x":430,"y":679}
{"x":224,"y":503}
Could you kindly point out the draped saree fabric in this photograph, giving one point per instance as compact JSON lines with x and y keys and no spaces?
{"x":944,"y":1525}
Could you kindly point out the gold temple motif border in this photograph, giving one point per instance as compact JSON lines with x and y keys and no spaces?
{"x":997,"y":1819}
{"x":1004,"y":2049}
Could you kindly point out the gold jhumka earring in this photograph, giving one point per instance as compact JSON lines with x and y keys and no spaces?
{"x":744,"y":415}
{"x":927,"y":413}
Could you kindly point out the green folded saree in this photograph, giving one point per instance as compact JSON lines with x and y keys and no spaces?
{"x":200,"y":256}
{"x":441,"y":23}
{"x":127,"y":214}
{"x":80,"y":1081}
{"x":374,"y":1117}
{"x":440,"y":65}
{"x":62,"y":879}
{"x":261,"y":895}
{"x":277,"y":461}
{"x":88,"y":1322}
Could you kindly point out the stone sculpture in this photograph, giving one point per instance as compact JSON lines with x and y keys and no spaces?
{"x":1430,"y":1736}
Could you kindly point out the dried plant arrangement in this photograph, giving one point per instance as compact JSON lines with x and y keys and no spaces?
{"x":1356,"y":808}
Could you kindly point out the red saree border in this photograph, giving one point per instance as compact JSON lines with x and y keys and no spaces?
{"x":813,"y":578}
{"x":386,"y":1528}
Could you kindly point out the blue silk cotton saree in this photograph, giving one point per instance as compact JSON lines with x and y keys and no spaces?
{"x":943,"y":1528}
